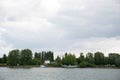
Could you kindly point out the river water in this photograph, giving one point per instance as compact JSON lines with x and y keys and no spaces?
{"x":59,"y":74}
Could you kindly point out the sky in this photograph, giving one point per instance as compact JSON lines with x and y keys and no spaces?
{"x":60,"y":25}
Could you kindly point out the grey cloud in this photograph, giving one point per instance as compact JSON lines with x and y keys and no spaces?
{"x":97,"y":20}
{"x":30,"y":24}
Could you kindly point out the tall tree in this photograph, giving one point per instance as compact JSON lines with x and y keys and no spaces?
{"x":4,"y":59}
{"x":106,"y":60}
{"x":37,"y":56}
{"x":117,"y":62}
{"x":49,"y":56}
{"x":0,"y":60}
{"x":90,"y":58}
{"x":43,"y":55}
{"x":14,"y":57}
{"x":26,"y":57}
{"x":112,"y":58}
{"x":99,"y":58}
{"x":69,"y":59}
{"x":58,"y":60}
{"x":81,"y":58}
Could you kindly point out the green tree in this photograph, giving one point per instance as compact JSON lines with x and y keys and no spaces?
{"x":36,"y":61}
{"x":49,"y":56}
{"x":37,"y":56}
{"x":117,"y":62}
{"x":90,"y":58}
{"x":99,"y":58}
{"x":43,"y":55}
{"x":0,"y":60}
{"x":69,"y":59}
{"x":112,"y":58}
{"x":81,"y":58}
{"x":26,"y":57}
{"x":106,"y":60}
{"x":4,"y":59}
{"x":14,"y":57}
{"x":85,"y":64}
{"x":58,"y":60}
{"x":66,"y":54}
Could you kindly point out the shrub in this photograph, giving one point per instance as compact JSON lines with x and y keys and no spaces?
{"x":55,"y":65}
{"x":36,"y":62}
{"x":117,"y":62}
{"x":85,"y":64}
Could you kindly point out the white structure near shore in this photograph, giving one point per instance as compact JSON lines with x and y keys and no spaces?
{"x":47,"y":62}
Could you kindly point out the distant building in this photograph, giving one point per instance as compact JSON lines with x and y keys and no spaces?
{"x":47,"y":62}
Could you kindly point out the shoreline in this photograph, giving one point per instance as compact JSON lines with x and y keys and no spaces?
{"x":38,"y":66}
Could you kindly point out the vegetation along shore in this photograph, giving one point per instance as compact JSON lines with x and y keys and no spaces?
{"x":24,"y":58}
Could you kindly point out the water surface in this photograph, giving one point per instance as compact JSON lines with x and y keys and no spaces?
{"x":59,"y":74}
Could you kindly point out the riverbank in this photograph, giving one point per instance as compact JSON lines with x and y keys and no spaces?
{"x":26,"y":66}
{"x":38,"y":66}
{"x":20,"y":66}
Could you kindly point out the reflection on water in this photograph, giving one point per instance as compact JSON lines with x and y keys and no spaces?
{"x":59,"y":74}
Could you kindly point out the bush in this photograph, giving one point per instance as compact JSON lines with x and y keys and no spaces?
{"x":36,"y":62}
{"x":85,"y":64}
{"x":55,"y":65}
{"x":117,"y":62}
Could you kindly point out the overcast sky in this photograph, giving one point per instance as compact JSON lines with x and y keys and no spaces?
{"x":60,"y":25}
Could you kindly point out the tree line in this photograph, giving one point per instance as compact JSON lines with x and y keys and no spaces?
{"x":90,"y":60}
{"x":25,"y":57}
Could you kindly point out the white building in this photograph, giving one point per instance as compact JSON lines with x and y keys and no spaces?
{"x":47,"y":62}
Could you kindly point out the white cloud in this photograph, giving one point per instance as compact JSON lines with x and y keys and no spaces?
{"x":105,"y":45}
{"x":4,"y":47}
{"x":33,"y":32}
{"x":50,"y":6}
{"x":29,"y":8}
{"x":60,"y":25}
{"x":95,"y":44}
